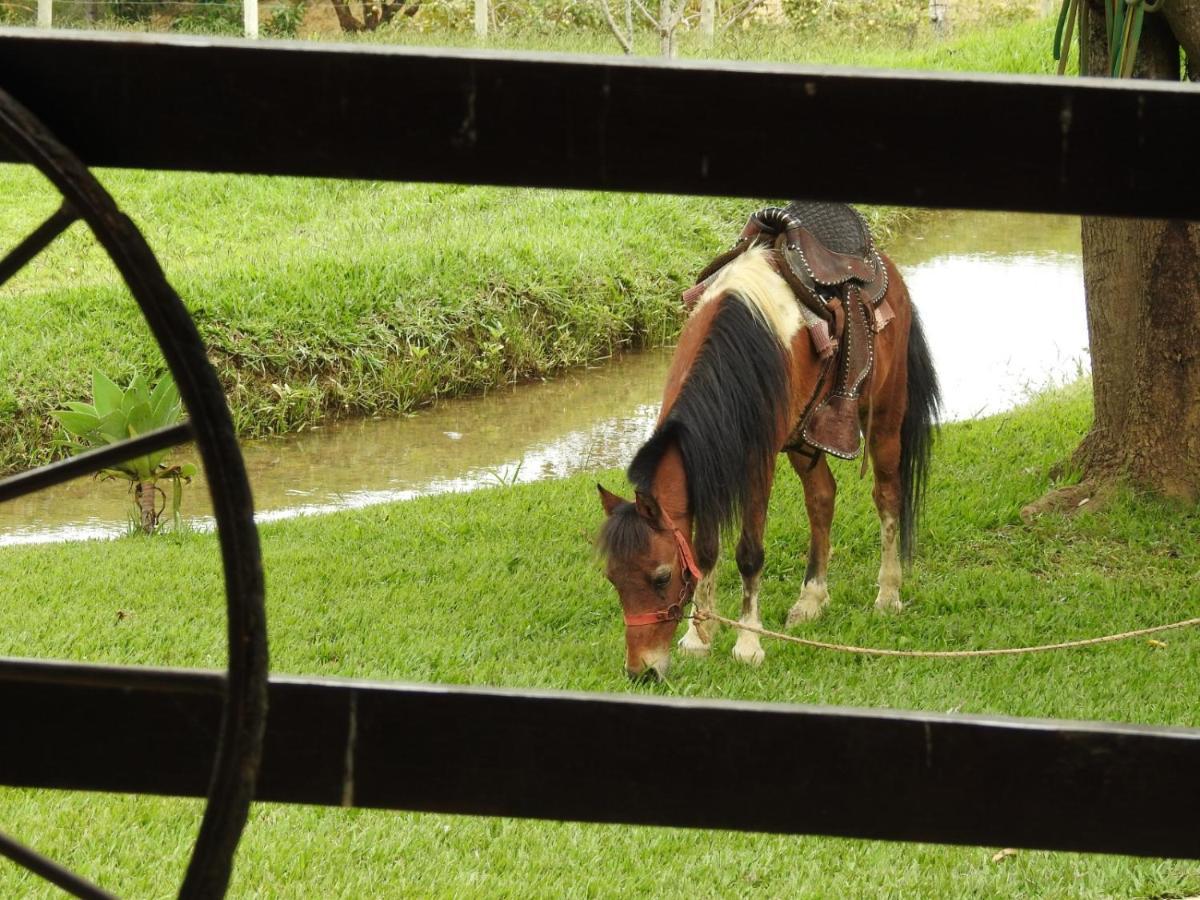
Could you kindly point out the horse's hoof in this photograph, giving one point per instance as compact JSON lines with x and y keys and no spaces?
{"x":813,"y":600}
{"x":805,"y":610}
{"x":888,"y":603}
{"x":693,"y":645}
{"x":750,"y":653}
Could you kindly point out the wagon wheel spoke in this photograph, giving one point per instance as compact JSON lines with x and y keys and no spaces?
{"x":94,"y":460}
{"x":60,"y":220}
{"x":50,"y":870}
{"x":243,"y":716}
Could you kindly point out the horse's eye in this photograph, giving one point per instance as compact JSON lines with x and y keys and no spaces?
{"x":661,"y":578}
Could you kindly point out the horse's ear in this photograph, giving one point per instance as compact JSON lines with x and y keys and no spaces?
{"x":608,"y":500}
{"x":648,"y":508}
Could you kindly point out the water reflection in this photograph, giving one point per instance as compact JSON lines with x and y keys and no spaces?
{"x":1001,"y":297}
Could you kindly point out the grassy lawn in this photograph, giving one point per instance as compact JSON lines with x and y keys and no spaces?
{"x":447,"y":589}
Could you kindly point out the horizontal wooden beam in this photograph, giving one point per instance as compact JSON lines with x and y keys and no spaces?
{"x":369,"y":111}
{"x":791,"y":769}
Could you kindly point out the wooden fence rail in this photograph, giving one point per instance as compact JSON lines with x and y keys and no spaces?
{"x":871,"y":774}
{"x":970,"y":141}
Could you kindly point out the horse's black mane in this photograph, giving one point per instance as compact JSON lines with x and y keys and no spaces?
{"x":725,"y":420}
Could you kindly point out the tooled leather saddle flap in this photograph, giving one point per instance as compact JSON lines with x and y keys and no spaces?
{"x":826,"y":267}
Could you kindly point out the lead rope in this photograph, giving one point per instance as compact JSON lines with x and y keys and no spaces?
{"x":700,"y":616}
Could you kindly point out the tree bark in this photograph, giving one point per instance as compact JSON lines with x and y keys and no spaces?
{"x":375,"y":13}
{"x":666,"y":29}
{"x":1184,"y":18}
{"x":147,"y":496}
{"x":345,"y":18}
{"x":1142,"y":283}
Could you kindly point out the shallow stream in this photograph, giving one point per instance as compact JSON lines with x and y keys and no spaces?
{"x":1000,"y":295}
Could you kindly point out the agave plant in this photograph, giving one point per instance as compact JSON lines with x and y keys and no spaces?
{"x":117,"y":414}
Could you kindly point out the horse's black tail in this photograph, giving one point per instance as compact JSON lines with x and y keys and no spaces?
{"x":916,"y":433}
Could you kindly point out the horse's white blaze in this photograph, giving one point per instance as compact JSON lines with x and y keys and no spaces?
{"x":889,"y":565}
{"x":764,"y":290}
{"x":748,"y":648}
{"x":697,"y":640}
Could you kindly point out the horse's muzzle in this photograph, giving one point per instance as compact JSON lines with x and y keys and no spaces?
{"x":653,"y":668}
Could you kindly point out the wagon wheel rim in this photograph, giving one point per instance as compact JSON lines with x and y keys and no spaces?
{"x":243,"y":717}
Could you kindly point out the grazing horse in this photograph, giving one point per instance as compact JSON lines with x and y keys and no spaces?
{"x":743,"y":379}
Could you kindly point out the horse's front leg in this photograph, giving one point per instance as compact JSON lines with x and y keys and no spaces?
{"x":820,"y":491}
{"x":885,"y":460}
{"x":748,"y":648}
{"x":697,"y":641}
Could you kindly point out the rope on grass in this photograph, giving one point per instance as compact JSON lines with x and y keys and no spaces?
{"x":942,"y":654}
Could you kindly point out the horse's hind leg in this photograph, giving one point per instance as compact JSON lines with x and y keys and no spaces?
{"x":885,"y":459}
{"x":819,"y":492}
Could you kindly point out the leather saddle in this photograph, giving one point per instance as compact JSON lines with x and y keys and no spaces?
{"x":824,"y":251}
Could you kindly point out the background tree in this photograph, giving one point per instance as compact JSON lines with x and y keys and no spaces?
{"x":374,"y":13}
{"x":671,"y":15}
{"x":1142,"y":284}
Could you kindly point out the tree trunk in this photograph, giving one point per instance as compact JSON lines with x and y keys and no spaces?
{"x":147,"y":496}
{"x":345,"y":18}
{"x":1184,"y":18}
{"x":708,"y":20}
{"x":1142,"y":282}
{"x":666,"y":29}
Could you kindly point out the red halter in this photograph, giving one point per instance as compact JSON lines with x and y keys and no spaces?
{"x":691,"y":577}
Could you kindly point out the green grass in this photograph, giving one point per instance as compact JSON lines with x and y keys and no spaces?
{"x":447,"y":589}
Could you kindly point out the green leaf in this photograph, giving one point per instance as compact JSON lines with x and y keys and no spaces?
{"x":82,"y":408}
{"x":1058,"y":30}
{"x":187,"y":470}
{"x":165,"y":414}
{"x":140,"y":466}
{"x":105,"y":393}
{"x":121,"y":470}
{"x":164,"y":402}
{"x":112,"y":427}
{"x":80,"y":424}
{"x":139,"y":388}
{"x":1135,"y":37}
{"x":138,"y":418}
{"x":176,"y":496}
{"x":1116,"y":40}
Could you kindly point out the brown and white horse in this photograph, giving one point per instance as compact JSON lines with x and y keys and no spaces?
{"x":741,"y":377}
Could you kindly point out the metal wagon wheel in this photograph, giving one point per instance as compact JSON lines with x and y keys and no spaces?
{"x":211,"y":427}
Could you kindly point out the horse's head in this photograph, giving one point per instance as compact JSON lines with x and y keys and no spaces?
{"x":650,"y":565}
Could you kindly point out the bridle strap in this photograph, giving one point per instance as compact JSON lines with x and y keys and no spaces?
{"x":687,"y":561}
{"x":672,"y":613}
{"x":691,"y":577}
